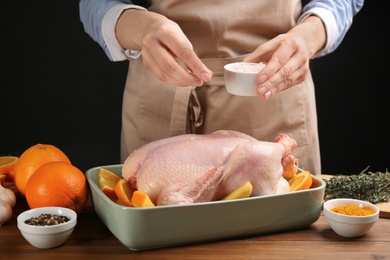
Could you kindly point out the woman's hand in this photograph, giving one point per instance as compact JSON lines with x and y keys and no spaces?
{"x":166,"y":51}
{"x":287,"y":56}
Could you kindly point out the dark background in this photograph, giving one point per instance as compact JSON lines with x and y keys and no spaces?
{"x":59,"y":88}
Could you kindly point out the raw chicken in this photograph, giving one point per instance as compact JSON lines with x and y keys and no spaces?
{"x":199,"y":168}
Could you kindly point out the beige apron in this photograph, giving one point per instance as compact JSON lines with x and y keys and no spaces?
{"x":221,"y":32}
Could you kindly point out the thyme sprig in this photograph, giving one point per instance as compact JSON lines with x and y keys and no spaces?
{"x":371,"y":186}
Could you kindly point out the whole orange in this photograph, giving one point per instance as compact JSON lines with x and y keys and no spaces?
{"x":31,"y":159}
{"x":58,"y":184}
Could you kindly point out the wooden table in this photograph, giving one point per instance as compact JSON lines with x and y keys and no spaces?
{"x":91,"y":239}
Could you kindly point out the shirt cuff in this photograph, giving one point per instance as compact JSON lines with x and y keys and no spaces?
{"x":115,"y":50}
{"x":332,"y":33}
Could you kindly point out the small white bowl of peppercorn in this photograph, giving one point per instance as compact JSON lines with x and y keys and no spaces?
{"x":47,"y":227}
{"x":350,"y":217}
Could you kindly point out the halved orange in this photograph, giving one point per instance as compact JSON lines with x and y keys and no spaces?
{"x":107,"y":181}
{"x":7,"y":165}
{"x":124,"y":192}
{"x":301,"y":181}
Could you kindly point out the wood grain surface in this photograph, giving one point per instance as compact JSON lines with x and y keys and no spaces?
{"x":91,"y":239}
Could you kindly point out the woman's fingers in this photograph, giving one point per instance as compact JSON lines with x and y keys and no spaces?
{"x":281,"y":80}
{"x":169,"y":54}
{"x":287,"y":64}
{"x":166,"y":68}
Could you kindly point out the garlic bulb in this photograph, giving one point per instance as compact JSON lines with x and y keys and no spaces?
{"x":5,"y":211}
{"x":8,"y":196}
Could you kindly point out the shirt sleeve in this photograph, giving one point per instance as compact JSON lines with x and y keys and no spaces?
{"x":337,"y":16}
{"x":99,"y":18}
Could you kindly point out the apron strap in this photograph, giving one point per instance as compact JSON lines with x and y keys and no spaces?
{"x":195,"y":110}
{"x":186,"y":111}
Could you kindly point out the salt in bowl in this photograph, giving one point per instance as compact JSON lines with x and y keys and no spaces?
{"x":241,"y":78}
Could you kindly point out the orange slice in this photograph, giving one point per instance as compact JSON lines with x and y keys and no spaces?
{"x":141,"y":200}
{"x":7,"y":165}
{"x":301,"y":181}
{"x":107,"y":181}
{"x":124,"y":192}
{"x":119,"y":202}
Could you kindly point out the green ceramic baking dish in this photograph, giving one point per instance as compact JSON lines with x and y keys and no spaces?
{"x":165,"y":226}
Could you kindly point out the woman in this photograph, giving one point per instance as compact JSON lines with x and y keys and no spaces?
{"x":177,"y":50}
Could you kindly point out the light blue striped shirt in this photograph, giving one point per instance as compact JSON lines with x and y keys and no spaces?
{"x":99,"y":18}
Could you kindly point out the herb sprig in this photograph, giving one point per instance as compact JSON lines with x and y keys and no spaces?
{"x":370,"y":186}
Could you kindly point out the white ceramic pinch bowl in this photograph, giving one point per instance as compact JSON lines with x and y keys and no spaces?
{"x":347,"y":225}
{"x":241,"y":78}
{"x":47,"y":236}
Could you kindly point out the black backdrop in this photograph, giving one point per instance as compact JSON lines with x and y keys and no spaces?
{"x":59,"y":88}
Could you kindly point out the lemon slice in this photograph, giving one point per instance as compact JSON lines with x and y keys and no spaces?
{"x":244,"y":191}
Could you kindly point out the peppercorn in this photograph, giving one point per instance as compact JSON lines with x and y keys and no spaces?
{"x":46,"y":220}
